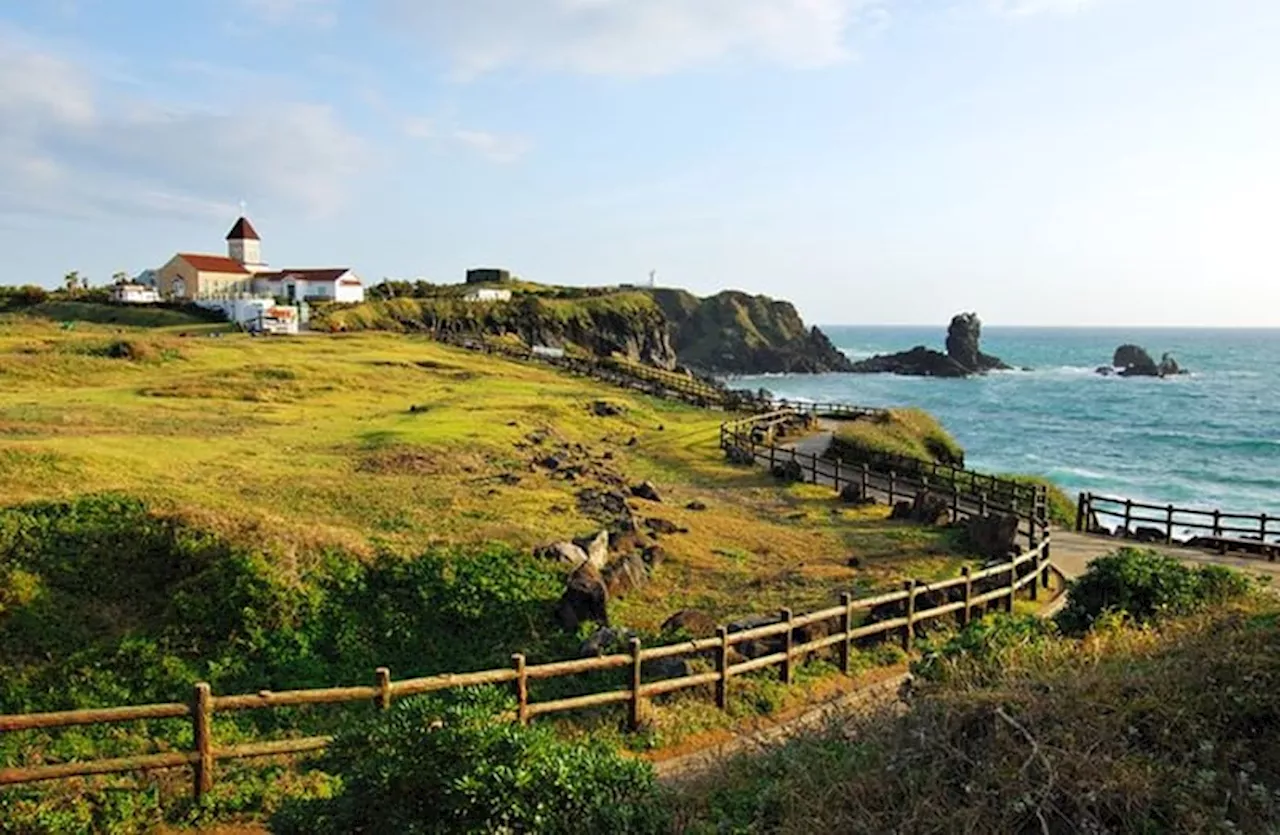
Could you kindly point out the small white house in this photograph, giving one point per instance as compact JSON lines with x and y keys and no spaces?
{"x":487,"y":294}
{"x":133,"y":294}
{"x":255,"y":315}
{"x":334,"y":284}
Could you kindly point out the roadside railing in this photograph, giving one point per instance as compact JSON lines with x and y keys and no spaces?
{"x":785,"y":642}
{"x":1161,"y":523}
{"x":965,"y":490}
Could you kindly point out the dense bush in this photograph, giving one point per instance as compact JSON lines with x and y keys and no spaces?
{"x":1143,"y":584}
{"x":451,"y":764}
{"x":981,"y":648}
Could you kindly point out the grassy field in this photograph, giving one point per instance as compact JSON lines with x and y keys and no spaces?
{"x":298,"y":445}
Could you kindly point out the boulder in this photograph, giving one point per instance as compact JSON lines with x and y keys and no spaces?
{"x":963,"y":336}
{"x":963,"y":357}
{"x":901,"y":511}
{"x":851,"y":493}
{"x":788,"y":471}
{"x":604,"y":640}
{"x":567,"y":553}
{"x":760,"y":646}
{"x":993,"y":536}
{"x":603,"y":408}
{"x":1169,"y":366}
{"x":625,"y":575}
{"x":596,"y":548}
{"x":585,"y":598}
{"x":1134,"y":361}
{"x":663,"y":526}
{"x":692,"y":622}
{"x":740,"y":456}
{"x":696,"y":505}
{"x":1105,"y":370}
{"x":647,"y":491}
{"x":1147,"y":534}
{"x":662,"y":668}
{"x":926,"y":509}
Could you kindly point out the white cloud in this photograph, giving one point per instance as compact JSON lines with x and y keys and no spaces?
{"x":634,"y":37}
{"x":1027,"y":8}
{"x":72,"y":146}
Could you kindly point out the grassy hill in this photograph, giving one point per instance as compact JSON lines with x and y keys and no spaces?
{"x":263,"y":512}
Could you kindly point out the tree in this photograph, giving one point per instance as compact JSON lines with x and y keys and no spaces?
{"x":71,"y":281}
{"x":119,"y":277}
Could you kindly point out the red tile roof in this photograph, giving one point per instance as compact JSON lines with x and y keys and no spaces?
{"x":309,"y":274}
{"x":213,"y":263}
{"x":243,"y":231}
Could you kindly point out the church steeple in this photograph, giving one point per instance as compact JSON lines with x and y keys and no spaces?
{"x":244,"y":245}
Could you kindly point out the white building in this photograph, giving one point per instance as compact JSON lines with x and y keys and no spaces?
{"x":256,"y":315}
{"x":242,"y":272}
{"x":487,"y":294}
{"x":133,"y":294}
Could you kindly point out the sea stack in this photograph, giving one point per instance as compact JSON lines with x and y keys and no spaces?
{"x":963,"y":358}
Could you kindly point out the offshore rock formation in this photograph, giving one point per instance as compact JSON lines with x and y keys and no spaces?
{"x":963,"y":358}
{"x":1134,"y":361}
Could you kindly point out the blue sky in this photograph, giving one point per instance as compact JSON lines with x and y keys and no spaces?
{"x":875,"y":161}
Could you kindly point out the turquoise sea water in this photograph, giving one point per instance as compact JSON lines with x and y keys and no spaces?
{"x":1210,"y":438}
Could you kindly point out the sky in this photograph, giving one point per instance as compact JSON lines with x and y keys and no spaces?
{"x":1042,"y":162}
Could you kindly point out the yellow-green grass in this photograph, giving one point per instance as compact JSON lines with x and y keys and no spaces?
{"x":913,"y":433}
{"x":301,"y":444}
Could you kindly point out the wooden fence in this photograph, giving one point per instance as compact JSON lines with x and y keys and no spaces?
{"x":965,"y":490}
{"x":1159,"y":523}
{"x":790,"y":639}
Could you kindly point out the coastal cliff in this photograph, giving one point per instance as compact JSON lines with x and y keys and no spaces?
{"x":728,"y":333}
{"x":737,"y":333}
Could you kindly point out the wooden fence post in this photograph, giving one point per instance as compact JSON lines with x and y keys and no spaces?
{"x":786,"y":675}
{"x":772,"y":457}
{"x":967,"y":611}
{"x":813,"y":460}
{"x":1128,"y":516}
{"x":865,"y":477}
{"x":383,"y":678}
{"x":633,"y":714}
{"x":846,"y":626}
{"x":893,"y":477}
{"x":1046,"y":561}
{"x":909,"y":631}
{"x":202,"y":726}
{"x":1013,"y":584}
{"x":521,"y":685}
{"x":982,"y":503}
{"x":1262,"y":528}
{"x":1217,"y":523}
{"x":1035,"y":569}
{"x":837,"y":474}
{"x":722,"y":667}
{"x":1080,"y":513}
{"x":955,"y":502}
{"x":1168,"y":525}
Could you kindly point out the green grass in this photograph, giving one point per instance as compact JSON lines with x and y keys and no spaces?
{"x":913,"y":433}
{"x":1062,"y":507}
{"x":1171,"y":728}
{"x":132,"y":316}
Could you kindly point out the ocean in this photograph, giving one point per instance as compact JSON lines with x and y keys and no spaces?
{"x":1207,"y":439}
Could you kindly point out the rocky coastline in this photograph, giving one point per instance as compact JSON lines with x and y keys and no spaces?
{"x":1133,"y":361}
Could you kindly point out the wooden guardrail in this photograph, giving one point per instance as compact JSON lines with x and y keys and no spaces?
{"x":965,"y":490}
{"x":915,"y":604}
{"x":1159,"y":522}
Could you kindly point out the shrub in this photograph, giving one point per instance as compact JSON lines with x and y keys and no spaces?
{"x":1142,"y":584}
{"x":982,"y":647}
{"x":909,"y":433}
{"x":452,"y":764}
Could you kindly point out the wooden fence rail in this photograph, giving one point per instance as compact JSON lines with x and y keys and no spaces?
{"x":917,"y":603}
{"x":967,"y":496}
{"x":1160,"y":522}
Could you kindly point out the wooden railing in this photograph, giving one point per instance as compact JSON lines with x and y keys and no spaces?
{"x":1152,"y":522}
{"x":833,"y":411}
{"x":965,"y":490}
{"x":915,"y":604}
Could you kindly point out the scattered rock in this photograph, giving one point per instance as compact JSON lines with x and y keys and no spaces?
{"x":852,"y":494}
{"x":664,"y":526}
{"x":760,"y":646}
{"x":604,"y":640}
{"x":633,"y":441}
{"x":740,"y":456}
{"x":625,"y":575}
{"x":416,"y":409}
{"x":585,"y":598}
{"x":1134,"y":361}
{"x":696,"y":505}
{"x":567,"y":553}
{"x":510,"y":479}
{"x":603,"y":408}
{"x":607,"y":456}
{"x":789,"y":471}
{"x":1169,"y":366}
{"x":993,"y":536}
{"x":854,"y":562}
{"x":595,"y":548}
{"x":654,"y":555}
{"x":550,"y":462}
{"x":694,"y":623}
{"x":1146,"y":534}
{"x":513,"y":423}
{"x":926,"y":509}
{"x":661,"y":428}
{"x":609,"y":506}
{"x":670,"y":667}
{"x":647,"y":491}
